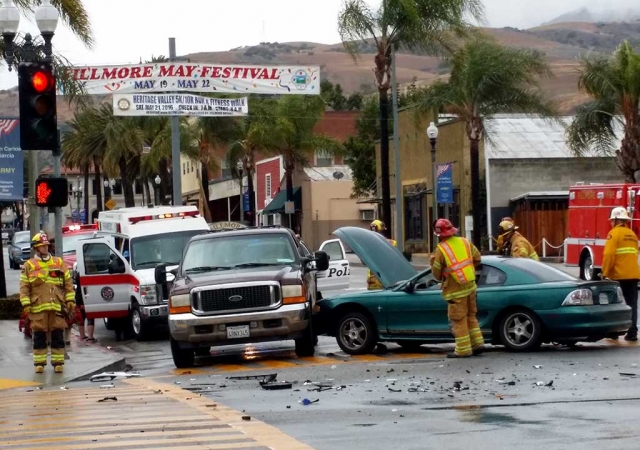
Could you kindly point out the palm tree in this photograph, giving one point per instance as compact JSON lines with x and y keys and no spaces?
{"x":288,"y":132}
{"x":614,"y":85}
{"x":427,"y":25}
{"x":488,"y":78}
{"x":252,"y":140}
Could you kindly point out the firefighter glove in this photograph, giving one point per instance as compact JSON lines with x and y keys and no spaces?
{"x":27,"y":309}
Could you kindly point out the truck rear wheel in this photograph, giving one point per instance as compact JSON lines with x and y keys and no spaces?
{"x":182,"y":358}
{"x":587,"y":271}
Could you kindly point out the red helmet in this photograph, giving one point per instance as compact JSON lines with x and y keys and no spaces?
{"x":444,"y":228}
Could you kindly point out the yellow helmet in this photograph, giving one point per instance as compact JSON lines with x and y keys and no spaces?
{"x":39,"y":240}
{"x":506,"y":226}
{"x":377,"y":225}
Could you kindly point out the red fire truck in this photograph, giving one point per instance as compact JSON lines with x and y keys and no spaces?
{"x":589,"y":210}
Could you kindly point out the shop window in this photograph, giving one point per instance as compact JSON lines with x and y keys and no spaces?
{"x":323,"y":158}
{"x":224,"y":166}
{"x":415,"y":218}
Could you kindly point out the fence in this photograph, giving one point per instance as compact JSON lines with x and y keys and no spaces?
{"x":538,"y":224}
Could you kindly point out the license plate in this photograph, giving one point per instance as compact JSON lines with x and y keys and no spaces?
{"x":603,"y":299}
{"x":238,"y":332}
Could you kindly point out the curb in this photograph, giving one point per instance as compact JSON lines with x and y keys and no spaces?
{"x":115,"y":366}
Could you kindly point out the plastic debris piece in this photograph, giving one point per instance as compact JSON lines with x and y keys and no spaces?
{"x":276,"y":385}
{"x":395,"y":390}
{"x":537,"y":367}
{"x":269,"y":377}
{"x":625,"y":374}
{"x":107,"y":386}
{"x":334,"y":367}
{"x":106,"y":399}
{"x":247,"y":418}
{"x":110,"y":376}
{"x":64,"y":388}
{"x":508,"y":383}
{"x":306,"y":401}
{"x":540,"y":383}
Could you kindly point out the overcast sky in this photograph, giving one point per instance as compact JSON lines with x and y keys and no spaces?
{"x":126,"y":30}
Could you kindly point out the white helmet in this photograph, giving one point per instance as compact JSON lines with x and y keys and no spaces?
{"x":619,"y":213}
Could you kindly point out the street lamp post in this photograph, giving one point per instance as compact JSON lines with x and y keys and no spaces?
{"x":157,"y":180}
{"x":108,"y":189}
{"x":432,"y":134}
{"x":47,"y":20}
{"x":240,"y":167}
{"x":77,"y":194}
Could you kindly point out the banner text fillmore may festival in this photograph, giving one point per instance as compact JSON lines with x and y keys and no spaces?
{"x":199,"y":78}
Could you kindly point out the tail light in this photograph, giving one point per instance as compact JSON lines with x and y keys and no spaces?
{"x":579,"y":297}
{"x":620,"y":296}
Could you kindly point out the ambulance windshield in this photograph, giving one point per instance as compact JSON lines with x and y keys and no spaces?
{"x":149,"y":251}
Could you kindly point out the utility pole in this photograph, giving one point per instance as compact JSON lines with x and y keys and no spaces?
{"x":175,"y":141}
{"x":396,"y":153}
{"x":34,"y":220}
{"x":58,"y":210}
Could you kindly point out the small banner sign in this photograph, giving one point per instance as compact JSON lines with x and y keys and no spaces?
{"x":178,"y":105}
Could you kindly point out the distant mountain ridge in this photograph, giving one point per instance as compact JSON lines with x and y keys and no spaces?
{"x":590,"y":16}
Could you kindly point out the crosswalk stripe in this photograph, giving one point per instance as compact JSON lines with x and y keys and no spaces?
{"x":147,"y":415}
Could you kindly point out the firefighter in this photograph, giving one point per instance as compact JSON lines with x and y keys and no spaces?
{"x":454,"y":263}
{"x":500,"y":240}
{"x":620,"y":263}
{"x":511,"y":243}
{"x":47,"y":296}
{"x":373,"y":284}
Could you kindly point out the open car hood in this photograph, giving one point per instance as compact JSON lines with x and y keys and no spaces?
{"x":383,"y":259}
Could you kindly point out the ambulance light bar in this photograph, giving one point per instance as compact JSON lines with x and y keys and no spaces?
{"x":70,"y":228}
{"x":183,"y":215}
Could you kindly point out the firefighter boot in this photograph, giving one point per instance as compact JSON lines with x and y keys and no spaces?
{"x":39,"y":369}
{"x":58,"y":369}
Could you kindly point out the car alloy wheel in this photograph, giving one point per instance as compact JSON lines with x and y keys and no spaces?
{"x":356,"y":334}
{"x":520,"y":331}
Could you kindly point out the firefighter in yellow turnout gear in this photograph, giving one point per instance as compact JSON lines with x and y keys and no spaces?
{"x":454,"y":264}
{"x":511,"y":243}
{"x":373,"y":284}
{"x":48,"y":297}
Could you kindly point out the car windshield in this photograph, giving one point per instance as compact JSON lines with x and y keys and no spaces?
{"x":248,"y":250}
{"x":22,"y":238}
{"x":542,"y":272}
{"x":149,"y":251}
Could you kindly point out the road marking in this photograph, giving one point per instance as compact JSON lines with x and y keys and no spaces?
{"x":7,"y":383}
{"x":146,"y":415}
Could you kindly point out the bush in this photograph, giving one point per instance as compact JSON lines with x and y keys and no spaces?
{"x":10,"y":308}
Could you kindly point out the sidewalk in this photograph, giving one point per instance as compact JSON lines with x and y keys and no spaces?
{"x":135,"y":413}
{"x":16,"y":363}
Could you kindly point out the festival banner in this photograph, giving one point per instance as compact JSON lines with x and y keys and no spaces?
{"x":194,"y":77}
{"x":11,"y":161}
{"x":178,"y":105}
{"x":445,"y":183}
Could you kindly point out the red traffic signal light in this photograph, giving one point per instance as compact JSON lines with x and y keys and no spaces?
{"x":37,"y":98}
{"x":52,"y":192}
{"x":41,"y":81}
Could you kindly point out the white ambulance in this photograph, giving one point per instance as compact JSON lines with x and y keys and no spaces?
{"x":117,"y":273}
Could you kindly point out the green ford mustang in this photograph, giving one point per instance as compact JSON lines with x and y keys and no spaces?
{"x":521,"y":303}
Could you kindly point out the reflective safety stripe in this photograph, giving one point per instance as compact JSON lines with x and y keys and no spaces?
{"x":463,"y":346}
{"x":70,"y":296}
{"x":476,"y":337}
{"x":437,"y":265}
{"x":468,"y":290}
{"x":50,"y":306}
{"x":457,"y":254}
{"x":626,"y":250}
{"x":534,"y":255}
{"x":26,"y":301}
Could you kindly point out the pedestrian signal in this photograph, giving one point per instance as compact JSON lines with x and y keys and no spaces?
{"x":52,"y":192}
{"x":37,"y":98}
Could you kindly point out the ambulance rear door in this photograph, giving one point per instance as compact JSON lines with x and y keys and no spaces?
{"x":105,"y":278}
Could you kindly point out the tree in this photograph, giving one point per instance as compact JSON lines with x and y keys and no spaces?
{"x":614,"y":85}
{"x":427,"y":25}
{"x":289,"y":133}
{"x":488,"y":78}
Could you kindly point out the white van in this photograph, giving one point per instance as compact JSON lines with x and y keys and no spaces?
{"x":117,"y":273}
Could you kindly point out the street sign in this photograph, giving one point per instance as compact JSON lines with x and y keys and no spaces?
{"x":11,"y":162}
{"x":444,"y":185}
{"x":198,"y":77}
{"x":110,"y":204}
{"x":289,"y":208}
{"x":178,"y":105}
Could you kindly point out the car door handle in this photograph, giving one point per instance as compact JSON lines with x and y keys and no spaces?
{"x":84,"y":290}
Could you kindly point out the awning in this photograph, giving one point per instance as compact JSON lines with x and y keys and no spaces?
{"x":277,"y":204}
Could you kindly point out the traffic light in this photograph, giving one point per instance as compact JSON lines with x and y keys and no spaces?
{"x":52,"y":192}
{"x":38,"y":114}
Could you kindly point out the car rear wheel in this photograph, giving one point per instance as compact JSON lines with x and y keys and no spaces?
{"x":182,"y":358}
{"x":520,"y":331}
{"x":356,"y":334}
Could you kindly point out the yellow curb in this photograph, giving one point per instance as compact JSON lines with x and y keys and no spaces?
{"x":7,"y":383}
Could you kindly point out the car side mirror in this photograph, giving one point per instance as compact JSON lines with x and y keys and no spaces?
{"x":160,"y":273}
{"x":322,"y":260}
{"x":116,"y":266}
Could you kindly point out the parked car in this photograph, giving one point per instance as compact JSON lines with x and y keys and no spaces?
{"x":242,"y":286}
{"x":521,"y":303}
{"x":19,"y":249}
